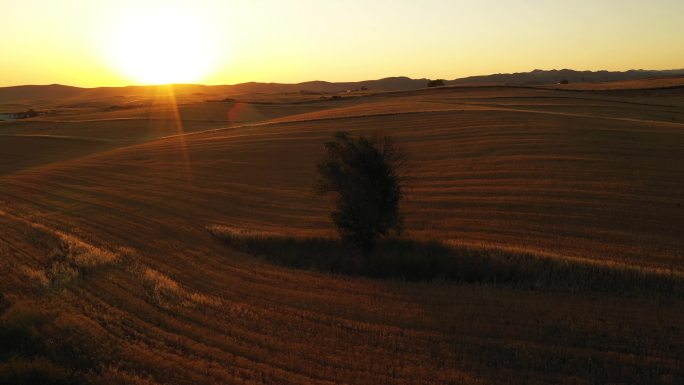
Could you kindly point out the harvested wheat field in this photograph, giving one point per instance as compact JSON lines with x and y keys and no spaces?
{"x":112,"y":228}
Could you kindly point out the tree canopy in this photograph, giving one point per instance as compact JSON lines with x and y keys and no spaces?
{"x":363,"y":176}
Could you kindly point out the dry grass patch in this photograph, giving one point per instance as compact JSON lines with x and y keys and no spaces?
{"x":161,"y":289}
{"x":83,"y":256}
{"x":73,"y":259}
{"x":38,"y":276}
{"x":69,"y":258}
{"x":165,"y":292}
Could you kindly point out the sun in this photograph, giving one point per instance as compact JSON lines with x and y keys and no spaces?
{"x":161,"y":46}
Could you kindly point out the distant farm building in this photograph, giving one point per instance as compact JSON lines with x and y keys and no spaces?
{"x":436,"y":83}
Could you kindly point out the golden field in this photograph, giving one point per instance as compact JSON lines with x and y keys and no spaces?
{"x":104,"y":215}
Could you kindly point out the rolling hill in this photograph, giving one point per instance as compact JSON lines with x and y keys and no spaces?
{"x":40,"y":94}
{"x":591,"y":176}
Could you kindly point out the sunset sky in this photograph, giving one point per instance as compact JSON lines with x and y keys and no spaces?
{"x":92,"y":43}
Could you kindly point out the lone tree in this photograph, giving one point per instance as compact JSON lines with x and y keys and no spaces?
{"x":363,"y":176}
{"x":436,"y":83}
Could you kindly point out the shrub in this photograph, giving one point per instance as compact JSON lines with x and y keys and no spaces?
{"x":363,"y":175}
{"x":76,"y":342}
{"x":36,"y":371}
{"x":39,"y":346}
{"x":20,"y":328}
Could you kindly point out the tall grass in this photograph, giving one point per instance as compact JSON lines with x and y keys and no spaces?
{"x":413,"y":260}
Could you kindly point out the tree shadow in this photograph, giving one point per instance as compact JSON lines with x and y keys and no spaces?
{"x":415,"y":260}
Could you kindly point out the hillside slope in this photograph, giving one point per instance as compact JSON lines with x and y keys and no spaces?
{"x":556,"y":173}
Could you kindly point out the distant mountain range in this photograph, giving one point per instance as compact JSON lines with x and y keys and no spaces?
{"x":536,"y":77}
{"x":539,"y":77}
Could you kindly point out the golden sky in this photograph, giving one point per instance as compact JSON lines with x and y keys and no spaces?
{"x":112,"y":43}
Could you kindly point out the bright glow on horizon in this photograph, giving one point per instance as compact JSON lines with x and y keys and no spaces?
{"x":93,"y":43}
{"x":161,"y":45}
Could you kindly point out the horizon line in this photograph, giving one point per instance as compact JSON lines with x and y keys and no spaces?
{"x":338,"y":82}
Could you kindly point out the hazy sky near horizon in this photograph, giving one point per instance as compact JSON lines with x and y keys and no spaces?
{"x":97,"y":43}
